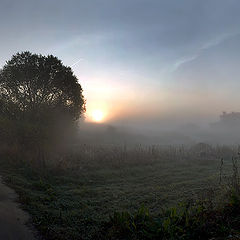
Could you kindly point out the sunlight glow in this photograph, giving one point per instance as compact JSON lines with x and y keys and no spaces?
{"x":97,"y":115}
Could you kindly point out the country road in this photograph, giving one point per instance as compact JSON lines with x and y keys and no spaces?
{"x":12,"y":218}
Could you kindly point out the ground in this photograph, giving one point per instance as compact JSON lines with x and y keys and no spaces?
{"x":75,"y":201}
{"x":13,"y":220}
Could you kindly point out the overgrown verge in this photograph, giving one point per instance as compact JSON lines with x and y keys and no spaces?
{"x":56,"y":212}
{"x":62,"y":206}
{"x":186,"y":221}
{"x":204,"y":218}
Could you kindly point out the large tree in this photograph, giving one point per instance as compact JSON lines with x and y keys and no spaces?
{"x":32,"y":85}
{"x":40,"y":100}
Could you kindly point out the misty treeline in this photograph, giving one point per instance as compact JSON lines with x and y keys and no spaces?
{"x":40,"y":103}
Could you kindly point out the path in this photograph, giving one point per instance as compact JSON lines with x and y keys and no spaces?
{"x":12,"y":218}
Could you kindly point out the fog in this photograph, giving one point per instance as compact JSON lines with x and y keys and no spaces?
{"x":119,"y":119}
{"x":224,"y":130}
{"x":145,"y":63}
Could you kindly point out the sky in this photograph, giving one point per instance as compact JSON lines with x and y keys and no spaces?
{"x":143,"y":62}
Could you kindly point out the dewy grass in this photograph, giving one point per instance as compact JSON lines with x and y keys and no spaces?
{"x":186,"y":221}
{"x":75,"y":202}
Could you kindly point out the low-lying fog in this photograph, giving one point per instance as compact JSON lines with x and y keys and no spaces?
{"x":226,"y":130}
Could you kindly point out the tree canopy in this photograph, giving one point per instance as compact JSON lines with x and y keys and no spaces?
{"x":34,"y":86}
{"x":40,"y":101}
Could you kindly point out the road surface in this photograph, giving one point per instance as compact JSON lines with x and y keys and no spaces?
{"x":12,"y":218}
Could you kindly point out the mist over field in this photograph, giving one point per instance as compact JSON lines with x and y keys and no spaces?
{"x":119,"y":120}
{"x":224,"y":130}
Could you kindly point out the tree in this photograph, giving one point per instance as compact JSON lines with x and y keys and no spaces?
{"x":31,"y":84}
{"x":39,"y":98}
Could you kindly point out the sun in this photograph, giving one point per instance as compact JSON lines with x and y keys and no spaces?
{"x":97,"y":115}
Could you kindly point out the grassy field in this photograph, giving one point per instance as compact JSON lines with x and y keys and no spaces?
{"x":72,"y":199}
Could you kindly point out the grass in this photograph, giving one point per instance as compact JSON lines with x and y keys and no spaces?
{"x":78,"y":201}
{"x":191,"y":220}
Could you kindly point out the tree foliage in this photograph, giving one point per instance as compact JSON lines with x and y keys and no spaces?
{"x":40,"y":100}
{"x":36,"y":86}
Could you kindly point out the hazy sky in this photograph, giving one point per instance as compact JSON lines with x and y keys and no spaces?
{"x":144,"y":61}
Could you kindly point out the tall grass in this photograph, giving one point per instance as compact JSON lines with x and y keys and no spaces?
{"x":87,"y":156}
{"x":77,"y":189}
{"x":207,"y":217}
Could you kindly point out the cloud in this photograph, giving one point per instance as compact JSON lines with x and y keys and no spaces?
{"x":187,"y":44}
{"x":78,"y":61}
{"x":206,"y":46}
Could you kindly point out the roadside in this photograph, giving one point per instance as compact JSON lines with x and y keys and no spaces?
{"x":12,"y":219}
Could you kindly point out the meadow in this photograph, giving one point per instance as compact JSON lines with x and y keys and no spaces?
{"x":74,"y":197}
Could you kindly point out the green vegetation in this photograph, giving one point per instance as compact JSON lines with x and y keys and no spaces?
{"x":186,"y":221}
{"x":118,"y":199}
{"x":109,"y":192}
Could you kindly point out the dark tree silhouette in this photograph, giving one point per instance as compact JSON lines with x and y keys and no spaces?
{"x":40,"y":100}
{"x":32,"y":85}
